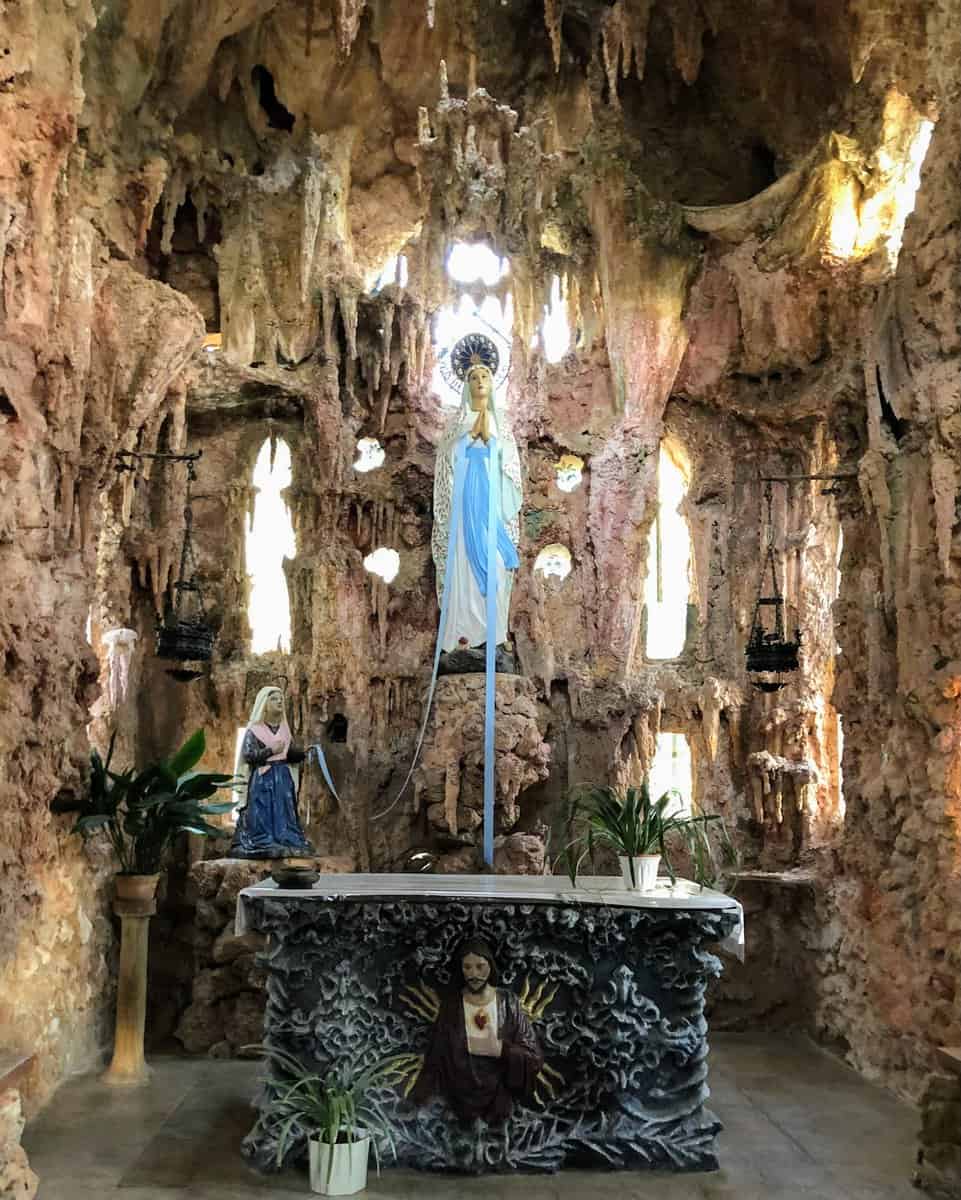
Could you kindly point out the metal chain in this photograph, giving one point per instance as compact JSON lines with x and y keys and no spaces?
{"x":769,"y":498}
{"x":187,"y":558}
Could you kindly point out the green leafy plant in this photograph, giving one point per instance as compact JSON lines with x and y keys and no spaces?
{"x":715,"y":863}
{"x":631,"y":824}
{"x":142,"y":811}
{"x":333,"y":1109}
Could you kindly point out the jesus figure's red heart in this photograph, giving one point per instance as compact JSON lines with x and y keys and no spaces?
{"x":480,"y":1020}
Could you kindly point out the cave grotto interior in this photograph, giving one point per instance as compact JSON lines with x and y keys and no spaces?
{"x":714,"y":249}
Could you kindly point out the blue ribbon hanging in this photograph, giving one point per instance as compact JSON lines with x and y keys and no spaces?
{"x":490,"y":682}
{"x":324,"y":769}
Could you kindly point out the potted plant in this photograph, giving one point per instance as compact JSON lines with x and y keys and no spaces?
{"x":340,"y":1121}
{"x":635,"y":827}
{"x":141,"y":812}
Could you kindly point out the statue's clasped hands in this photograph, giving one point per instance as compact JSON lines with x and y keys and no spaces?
{"x":482,"y":426}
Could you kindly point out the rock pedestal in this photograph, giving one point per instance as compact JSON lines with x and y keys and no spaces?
{"x":227,"y":997}
{"x":450,"y":776}
{"x":939,"y":1157}
{"x":16,"y":1178}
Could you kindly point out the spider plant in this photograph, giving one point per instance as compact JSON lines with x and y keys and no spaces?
{"x":333,"y":1108}
{"x":631,"y":824}
{"x":715,"y":866}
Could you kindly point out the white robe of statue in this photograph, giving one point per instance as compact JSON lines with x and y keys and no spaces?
{"x":467,"y":607}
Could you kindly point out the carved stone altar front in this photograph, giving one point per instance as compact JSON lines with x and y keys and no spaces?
{"x":615,"y":990}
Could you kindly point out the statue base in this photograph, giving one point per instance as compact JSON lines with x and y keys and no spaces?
{"x":278,"y":853}
{"x":472,"y":660}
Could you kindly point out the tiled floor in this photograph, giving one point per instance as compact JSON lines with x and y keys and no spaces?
{"x":797,"y":1125}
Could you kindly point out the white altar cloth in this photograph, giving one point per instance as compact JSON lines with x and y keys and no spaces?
{"x":517,"y":889}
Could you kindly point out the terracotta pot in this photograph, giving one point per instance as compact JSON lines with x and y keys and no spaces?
{"x":136,"y":887}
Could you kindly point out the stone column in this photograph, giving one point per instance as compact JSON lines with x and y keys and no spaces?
{"x":128,"y":1068}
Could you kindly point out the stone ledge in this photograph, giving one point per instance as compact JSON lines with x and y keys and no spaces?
{"x":798,"y":877}
{"x":949,"y":1057}
{"x":14,"y":1069}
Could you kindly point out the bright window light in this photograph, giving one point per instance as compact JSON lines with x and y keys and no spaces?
{"x":475,"y":262}
{"x":554,"y":560}
{"x":453,"y":322}
{"x":370,"y":455}
{"x":555,"y":331}
{"x":667,"y":588}
{"x":383,"y":562}
{"x":672,"y":769}
{"x":570,"y":472}
{"x":394,"y":270}
{"x":269,"y":541}
{"x":239,"y":794}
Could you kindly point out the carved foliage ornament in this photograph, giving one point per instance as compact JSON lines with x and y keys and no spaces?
{"x":616,"y":997}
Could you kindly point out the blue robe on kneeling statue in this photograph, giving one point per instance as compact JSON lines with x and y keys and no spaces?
{"x":268,"y":826}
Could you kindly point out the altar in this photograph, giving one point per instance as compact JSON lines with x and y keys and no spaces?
{"x":607,"y":984}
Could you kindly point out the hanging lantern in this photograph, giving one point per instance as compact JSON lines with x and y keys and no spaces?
{"x":767,"y":651}
{"x":185,"y":634}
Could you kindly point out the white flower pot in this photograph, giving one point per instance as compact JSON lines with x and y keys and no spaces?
{"x":349,"y":1171}
{"x":645,"y":871}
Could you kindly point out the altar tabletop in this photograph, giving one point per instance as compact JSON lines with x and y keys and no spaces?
{"x":604,"y":890}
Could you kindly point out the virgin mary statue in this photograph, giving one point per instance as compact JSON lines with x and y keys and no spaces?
{"x":476,"y":435}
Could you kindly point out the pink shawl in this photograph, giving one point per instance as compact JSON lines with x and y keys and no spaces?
{"x":278,"y":742}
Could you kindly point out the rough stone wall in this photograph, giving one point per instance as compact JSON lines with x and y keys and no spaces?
{"x":898,"y":968}
{"x":89,"y":353}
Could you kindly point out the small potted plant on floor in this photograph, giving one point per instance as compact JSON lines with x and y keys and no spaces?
{"x":637,"y":828}
{"x":340,"y":1120}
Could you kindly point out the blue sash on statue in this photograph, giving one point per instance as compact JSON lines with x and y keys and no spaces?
{"x":476,"y":505}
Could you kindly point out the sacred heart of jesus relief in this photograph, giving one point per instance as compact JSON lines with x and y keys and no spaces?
{"x":480,"y":1019}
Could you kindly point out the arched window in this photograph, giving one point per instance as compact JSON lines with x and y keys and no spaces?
{"x":667,"y":589}
{"x":270,"y":539}
{"x":555,"y":330}
{"x":672,"y":769}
